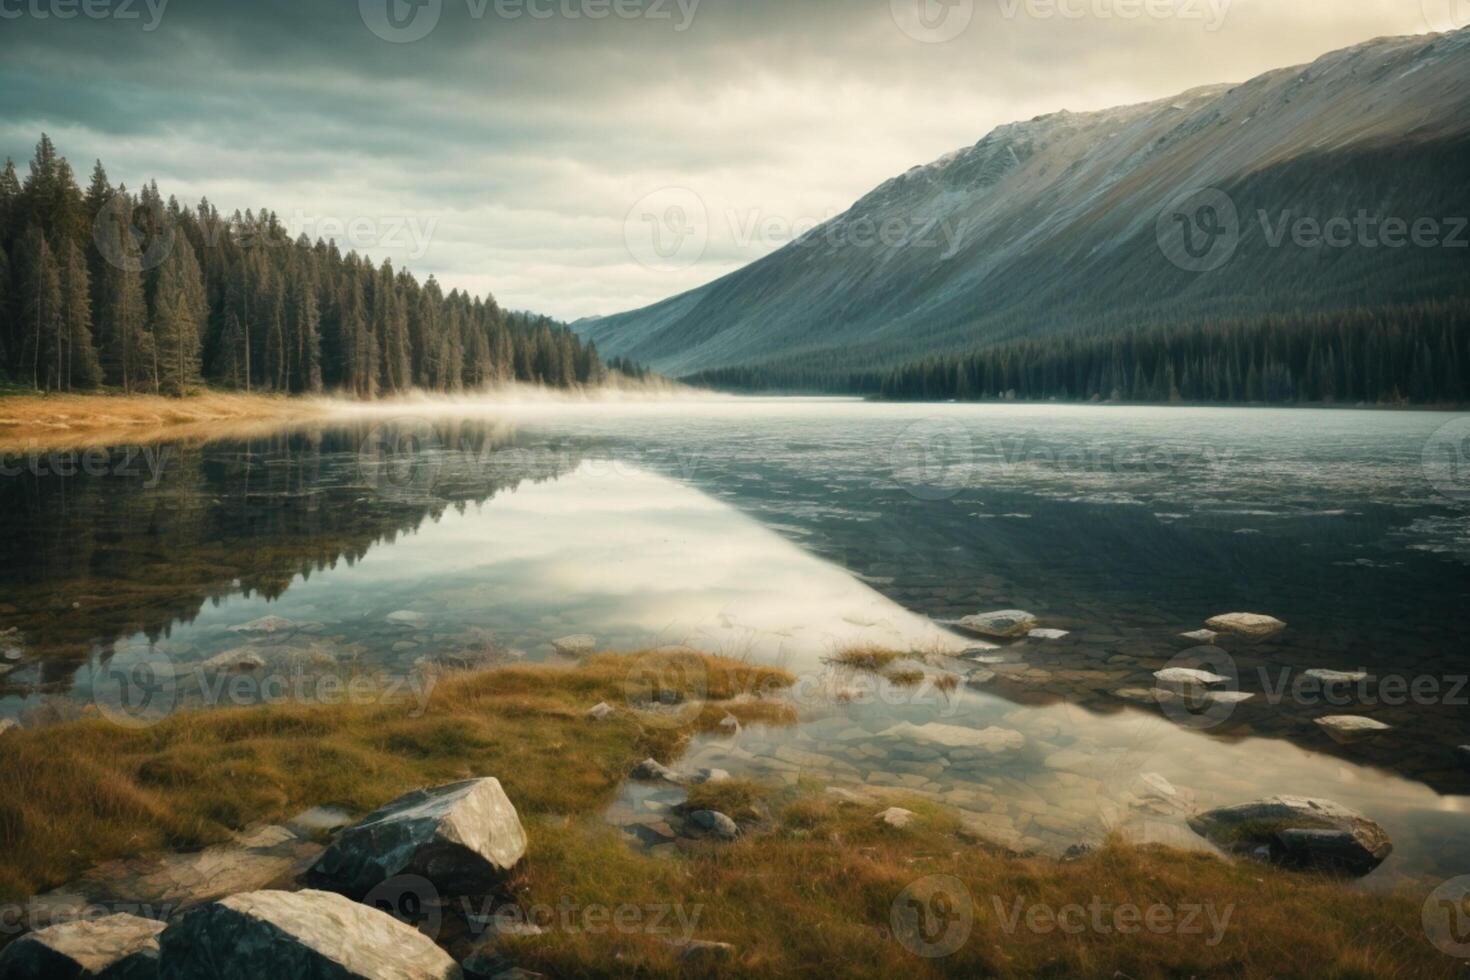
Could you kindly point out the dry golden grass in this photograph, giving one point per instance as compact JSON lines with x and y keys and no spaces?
{"x":81,"y":793}
{"x":808,"y":891}
{"x":815,"y":895}
{"x":56,"y":422}
{"x":867,"y":658}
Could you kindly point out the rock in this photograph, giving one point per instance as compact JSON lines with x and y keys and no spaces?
{"x":575,"y":646}
{"x":1351,"y":728}
{"x":1046,"y":634}
{"x":1230,"y":697}
{"x":298,"y":934}
{"x":711,"y":823}
{"x":266,"y":625}
{"x":896,"y":816}
{"x":729,"y":725}
{"x":241,"y":661}
{"x":406,"y":617}
{"x":699,"y":951}
{"x":1463,"y":752}
{"x":710,"y":776}
{"x":1199,"y":637}
{"x":1157,"y":784}
{"x":464,"y":838}
{"x":1182,"y":677}
{"x":993,"y":740}
{"x":114,"y":947}
{"x":601,"y":711}
{"x":652,"y":771}
{"x":1298,"y":832}
{"x":979,"y":677}
{"x":1250,"y":625}
{"x":1004,"y":624}
{"x":487,"y":962}
{"x":1077,"y":852}
{"x":1336,"y":676}
{"x":8,"y":724}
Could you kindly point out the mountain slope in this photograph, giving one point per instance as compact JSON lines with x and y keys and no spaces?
{"x":1054,"y":223}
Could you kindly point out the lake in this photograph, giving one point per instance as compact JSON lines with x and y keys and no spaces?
{"x":390,"y":546}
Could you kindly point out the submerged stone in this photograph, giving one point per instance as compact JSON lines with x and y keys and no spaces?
{"x":1003,"y":624}
{"x":1250,"y":625}
{"x":1351,"y":728}
{"x":1298,"y":832}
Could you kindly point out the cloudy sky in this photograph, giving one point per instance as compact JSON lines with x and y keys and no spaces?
{"x":535,"y":148}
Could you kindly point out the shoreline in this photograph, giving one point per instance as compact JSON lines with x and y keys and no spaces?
{"x":772,"y":897}
{"x":47,"y":422}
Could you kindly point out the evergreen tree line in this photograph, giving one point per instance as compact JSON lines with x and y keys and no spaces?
{"x":104,"y":288}
{"x":1417,"y":354}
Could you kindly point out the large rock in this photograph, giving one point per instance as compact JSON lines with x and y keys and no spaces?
{"x":114,"y":947}
{"x":1003,"y":624}
{"x":308,"y":935}
{"x":1346,"y":729}
{"x":1297,"y":832}
{"x":1250,"y":625}
{"x":464,"y":838}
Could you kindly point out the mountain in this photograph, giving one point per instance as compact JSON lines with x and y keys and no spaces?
{"x":1062,"y":224}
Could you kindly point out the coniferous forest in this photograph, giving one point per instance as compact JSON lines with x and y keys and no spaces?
{"x":105,"y":288}
{"x":1412,"y":355}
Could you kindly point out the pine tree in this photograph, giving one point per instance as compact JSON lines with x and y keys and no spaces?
{"x":41,"y":313}
{"x":83,"y":369}
{"x":178,"y":318}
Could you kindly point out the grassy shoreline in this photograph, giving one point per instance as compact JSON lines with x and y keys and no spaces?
{"x":32,"y":422}
{"x":813,"y":882}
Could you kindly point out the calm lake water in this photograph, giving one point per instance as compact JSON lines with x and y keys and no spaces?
{"x":395,"y":545}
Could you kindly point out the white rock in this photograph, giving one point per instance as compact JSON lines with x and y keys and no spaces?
{"x":575,"y":646}
{"x":1200,"y":636}
{"x":896,"y":816}
{"x":8,"y":724}
{"x":1158,"y":784}
{"x":1188,"y":677}
{"x":120,"y":945}
{"x":601,"y":711}
{"x":406,"y":617}
{"x":1004,"y":623}
{"x":1048,"y":634}
{"x":730,"y":725}
{"x":1253,"y":625}
{"x":464,"y":838}
{"x":298,"y":934}
{"x":1230,"y":697}
{"x":1350,"y":728}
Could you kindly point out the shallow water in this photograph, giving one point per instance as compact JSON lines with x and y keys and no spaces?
{"x":784,"y":530}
